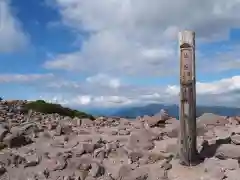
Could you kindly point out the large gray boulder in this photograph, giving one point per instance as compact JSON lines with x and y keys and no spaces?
{"x":228,"y":151}
{"x":209,"y":119}
{"x":141,"y":140}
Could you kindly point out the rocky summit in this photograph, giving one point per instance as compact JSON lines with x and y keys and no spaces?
{"x":42,"y":146}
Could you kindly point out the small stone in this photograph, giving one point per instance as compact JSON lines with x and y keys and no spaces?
{"x":100,"y":153}
{"x":124,"y":171}
{"x":155,"y":157}
{"x":88,"y":148}
{"x":52,"y":126}
{"x":2,"y":170}
{"x":135,"y":156}
{"x":66,"y":138}
{"x":67,"y":178}
{"x":57,"y":144}
{"x":58,"y":130}
{"x":96,"y":170}
{"x":3,"y":133}
{"x":235,"y":139}
{"x":84,"y":164}
{"x":46,"y":134}
{"x":31,"y":161}
{"x":124,"y":132}
{"x":167,"y":166}
{"x":86,"y":122}
{"x":46,"y":173}
{"x":2,"y":145}
{"x":114,"y":133}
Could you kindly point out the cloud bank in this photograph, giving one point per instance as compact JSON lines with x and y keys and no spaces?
{"x":138,"y":37}
{"x":113,"y":92}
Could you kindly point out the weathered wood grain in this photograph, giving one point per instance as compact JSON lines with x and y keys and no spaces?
{"x":187,"y":112}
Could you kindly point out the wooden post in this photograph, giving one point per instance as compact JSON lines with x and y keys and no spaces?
{"x":187,"y":109}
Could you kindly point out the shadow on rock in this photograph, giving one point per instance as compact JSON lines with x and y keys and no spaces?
{"x":209,"y":150}
{"x":17,"y":141}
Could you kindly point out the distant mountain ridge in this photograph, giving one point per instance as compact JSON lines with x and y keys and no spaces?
{"x":100,"y":111}
{"x":173,"y":110}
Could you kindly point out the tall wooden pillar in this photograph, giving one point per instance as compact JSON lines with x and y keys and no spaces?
{"x":187,"y":108}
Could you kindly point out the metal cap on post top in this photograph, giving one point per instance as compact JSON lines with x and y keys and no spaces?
{"x":187,"y":37}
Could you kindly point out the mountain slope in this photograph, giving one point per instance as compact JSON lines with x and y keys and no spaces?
{"x":49,"y":108}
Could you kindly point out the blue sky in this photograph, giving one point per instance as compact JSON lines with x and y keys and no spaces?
{"x":116,"y":53}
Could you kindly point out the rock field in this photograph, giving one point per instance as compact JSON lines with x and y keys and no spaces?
{"x":38,"y":146}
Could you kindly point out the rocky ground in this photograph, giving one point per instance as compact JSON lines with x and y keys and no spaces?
{"x":38,"y":146}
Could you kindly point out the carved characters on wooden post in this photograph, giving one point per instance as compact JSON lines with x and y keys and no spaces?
{"x":186,"y":65}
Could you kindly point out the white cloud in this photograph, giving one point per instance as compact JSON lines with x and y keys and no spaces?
{"x":155,"y":16}
{"x":24,"y":78}
{"x":111,"y":53}
{"x":224,"y":92}
{"x":226,"y":85}
{"x":138,"y":37}
{"x":68,"y":61}
{"x":157,"y":53}
{"x":99,"y":91}
{"x":104,"y":80}
{"x":12,"y":37}
{"x":59,"y":99}
{"x":83,"y":100}
{"x":218,"y":87}
{"x":173,"y":90}
{"x":64,"y":84}
{"x":89,"y":100}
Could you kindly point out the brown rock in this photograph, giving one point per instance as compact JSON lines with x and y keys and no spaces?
{"x":237,"y":118}
{"x":235,"y":139}
{"x":166,"y":166}
{"x":233,"y":121}
{"x":155,"y":157}
{"x":167,"y":146}
{"x":61,"y":164}
{"x":124,"y":132}
{"x":209,"y":119}
{"x":59,"y":131}
{"x":114,"y":133}
{"x":127,"y":173}
{"x":135,"y":156}
{"x":2,"y":170}
{"x":81,"y":175}
{"x":96,"y":170}
{"x":235,"y":130}
{"x":86,"y":122}
{"x":172,"y":130}
{"x":52,"y":126}
{"x":228,"y":151}
{"x":142,"y":140}
{"x":157,"y":119}
{"x":16,"y":140}
{"x":32,"y":160}
{"x":233,"y":175}
{"x":3,"y":133}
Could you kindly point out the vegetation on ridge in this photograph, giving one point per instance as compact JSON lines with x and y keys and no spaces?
{"x":50,"y":108}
